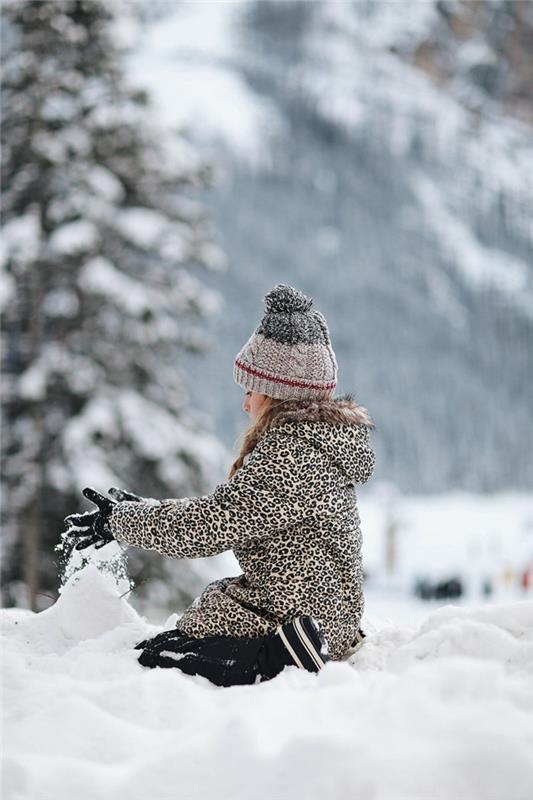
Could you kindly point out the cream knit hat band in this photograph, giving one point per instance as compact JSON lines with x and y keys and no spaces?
{"x":290,"y":354}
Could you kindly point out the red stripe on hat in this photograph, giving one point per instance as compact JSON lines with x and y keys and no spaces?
{"x":285,"y":381}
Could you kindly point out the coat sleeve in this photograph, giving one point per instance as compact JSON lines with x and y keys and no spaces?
{"x":261,"y":496}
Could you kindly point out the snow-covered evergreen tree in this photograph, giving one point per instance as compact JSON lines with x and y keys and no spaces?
{"x":99,"y":292}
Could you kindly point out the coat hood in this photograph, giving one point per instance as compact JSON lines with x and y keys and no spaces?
{"x":338,"y":426}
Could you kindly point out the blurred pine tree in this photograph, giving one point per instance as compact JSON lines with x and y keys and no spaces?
{"x":99,"y":290}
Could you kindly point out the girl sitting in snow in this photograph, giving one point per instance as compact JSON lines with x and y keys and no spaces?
{"x":288,"y":511}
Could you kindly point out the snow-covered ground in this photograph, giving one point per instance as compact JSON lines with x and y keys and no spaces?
{"x":478,"y":537}
{"x":438,"y":703}
{"x":443,"y":709}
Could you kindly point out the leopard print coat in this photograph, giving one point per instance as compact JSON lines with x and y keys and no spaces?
{"x":290,"y":516}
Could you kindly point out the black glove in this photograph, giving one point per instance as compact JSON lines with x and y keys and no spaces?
{"x":92,"y":527}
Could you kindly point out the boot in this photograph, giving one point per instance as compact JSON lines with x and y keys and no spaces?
{"x":305,"y":643}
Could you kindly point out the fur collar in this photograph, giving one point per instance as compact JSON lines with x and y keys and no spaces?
{"x":336,"y":410}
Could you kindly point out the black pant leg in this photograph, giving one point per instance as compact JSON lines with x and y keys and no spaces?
{"x":272,"y":658}
{"x":224,"y":660}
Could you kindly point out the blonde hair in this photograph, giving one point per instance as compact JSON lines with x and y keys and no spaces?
{"x":249,"y":438}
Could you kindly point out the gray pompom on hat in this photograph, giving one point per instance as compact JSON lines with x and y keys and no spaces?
{"x":290,"y":354}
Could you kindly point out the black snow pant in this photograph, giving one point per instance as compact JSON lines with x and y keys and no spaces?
{"x":224,"y":660}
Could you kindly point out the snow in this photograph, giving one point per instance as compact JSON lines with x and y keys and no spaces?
{"x":355,"y":70}
{"x":100,"y":276}
{"x":74,"y":237}
{"x":357,"y":82}
{"x":482,"y":267}
{"x":146,"y":227}
{"x":60,"y":106}
{"x":97,"y":417}
{"x":438,"y":710}
{"x":472,"y":534}
{"x":105,"y":184}
{"x":161,"y":436}
{"x":199,"y":28}
{"x":21,"y":238}
{"x":32,"y":383}
{"x":60,"y":303}
{"x":214,"y":100}
{"x":187,"y":61}
{"x":155,"y":434}
{"x":389,"y":24}
{"x":88,"y":606}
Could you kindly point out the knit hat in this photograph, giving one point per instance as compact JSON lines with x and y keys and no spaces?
{"x":290,"y":354}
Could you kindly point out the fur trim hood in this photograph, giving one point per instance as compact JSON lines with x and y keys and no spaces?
{"x":338,"y":427}
{"x":336,"y":410}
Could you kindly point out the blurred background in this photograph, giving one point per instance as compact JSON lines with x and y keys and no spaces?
{"x":164,"y":164}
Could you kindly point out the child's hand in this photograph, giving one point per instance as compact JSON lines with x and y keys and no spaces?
{"x":92,"y":527}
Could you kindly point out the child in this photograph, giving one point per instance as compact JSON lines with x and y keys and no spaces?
{"x":288,"y":511}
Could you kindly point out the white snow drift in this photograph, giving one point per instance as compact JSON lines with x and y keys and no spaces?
{"x":444,"y":710}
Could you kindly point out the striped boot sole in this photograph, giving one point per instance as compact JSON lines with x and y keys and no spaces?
{"x":304,"y":643}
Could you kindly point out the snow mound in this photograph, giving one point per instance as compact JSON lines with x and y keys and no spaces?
{"x":89,"y":605}
{"x":436,"y":711}
{"x":498,"y":633}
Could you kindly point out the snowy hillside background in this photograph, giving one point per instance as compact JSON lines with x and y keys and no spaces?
{"x":379,"y":156}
